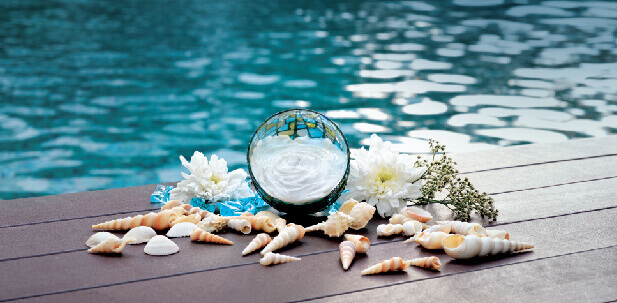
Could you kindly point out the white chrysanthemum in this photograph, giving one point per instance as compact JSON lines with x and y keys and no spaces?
{"x":210,"y":180}
{"x":383,"y":177}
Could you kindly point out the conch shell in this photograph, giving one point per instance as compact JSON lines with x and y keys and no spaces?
{"x":399,"y":219}
{"x":161,"y":246}
{"x":194,"y":218}
{"x":393,"y":264}
{"x":260,"y":222}
{"x":348,"y":252}
{"x":241,"y":225}
{"x":279,"y":223}
{"x":213,"y":223}
{"x":498,"y":233}
{"x":111,"y":245}
{"x":141,"y":234}
{"x":258,"y":242}
{"x":465,"y":247}
{"x":442,"y":228}
{"x":431,"y":240}
{"x":361,"y":243}
{"x":99,"y":238}
{"x":416,"y":213}
{"x":171,"y":204}
{"x":158,"y":221}
{"x":428,"y":262}
{"x":465,"y":228}
{"x":182,"y":229}
{"x":361,"y":213}
{"x":409,"y":228}
{"x":272,"y":258}
{"x":335,"y":226}
{"x":201,"y":235}
{"x":347,"y":206}
{"x":289,"y":234}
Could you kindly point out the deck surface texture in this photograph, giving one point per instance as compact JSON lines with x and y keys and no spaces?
{"x":561,"y":197}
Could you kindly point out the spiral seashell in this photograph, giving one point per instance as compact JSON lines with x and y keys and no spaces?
{"x":431,"y":240}
{"x":194,"y":218}
{"x":111,"y":245}
{"x":142,"y":234}
{"x":196,"y":210}
{"x":393,"y":264}
{"x":182,"y":229}
{"x":260,"y":222}
{"x":442,"y":228}
{"x":240,"y":225}
{"x":361,"y":213}
{"x":399,"y":219}
{"x":272,"y":258}
{"x":428,"y":262}
{"x":336,"y":224}
{"x":361,"y":243}
{"x":100,"y":237}
{"x":416,"y":213}
{"x":158,"y":221}
{"x":269,"y":214}
{"x":465,"y":247}
{"x":161,"y":246}
{"x":348,"y":252}
{"x":411,"y":228}
{"x":465,"y":228}
{"x":280,"y":224}
{"x":181,"y":211}
{"x":213,"y":223}
{"x":386,"y":230}
{"x":171,"y":204}
{"x":347,"y":206}
{"x":258,"y":242}
{"x":497,"y":233}
{"x":291,"y":233}
{"x":200,"y":235}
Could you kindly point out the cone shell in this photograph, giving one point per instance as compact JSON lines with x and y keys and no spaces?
{"x":416,"y":213}
{"x":393,"y":264}
{"x":399,"y":219}
{"x":171,"y":204}
{"x":241,"y":225}
{"x":465,"y":247}
{"x":428,"y":262}
{"x":361,"y":243}
{"x":347,"y":206}
{"x":335,"y":226}
{"x":465,"y":228}
{"x":442,"y":228}
{"x":361,"y":214}
{"x":158,"y":221}
{"x":272,"y":258}
{"x":142,"y":234}
{"x":111,"y":245}
{"x":431,"y":240}
{"x":258,"y":242}
{"x":260,"y":222}
{"x":194,"y":218}
{"x":291,"y":233}
{"x":348,"y":252}
{"x":498,"y":233}
{"x":161,"y":246}
{"x":201,"y":235}
{"x":182,"y":229}
{"x":213,"y":223}
{"x":99,"y":238}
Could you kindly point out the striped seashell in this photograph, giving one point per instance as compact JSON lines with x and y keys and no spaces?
{"x":497,"y":233}
{"x":399,"y":219}
{"x":336,"y":224}
{"x":201,"y":235}
{"x":182,"y":229}
{"x":361,"y":214}
{"x":291,"y":233}
{"x":258,"y":242}
{"x":111,"y":245}
{"x":393,"y":264}
{"x":272,"y":258}
{"x":465,"y":247}
{"x":431,"y":240}
{"x":158,"y":221}
{"x":171,"y":204}
{"x":348,"y":252}
{"x":241,"y":225}
{"x":465,"y":228}
{"x":416,"y":213}
{"x":194,"y":218}
{"x":99,"y":237}
{"x":260,"y":222}
{"x":428,"y":262}
{"x":213,"y":223}
{"x":161,"y":246}
{"x":142,"y":234}
{"x":362,"y":243}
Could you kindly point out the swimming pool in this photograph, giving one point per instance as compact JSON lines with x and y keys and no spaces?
{"x":103,"y":94}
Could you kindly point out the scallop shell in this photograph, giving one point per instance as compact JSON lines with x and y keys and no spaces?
{"x":348,"y":252}
{"x":240,"y":225}
{"x":347,"y":206}
{"x":182,"y":229}
{"x":158,"y":221}
{"x":213,"y":223}
{"x":272,"y":258}
{"x":416,"y":213}
{"x":442,"y":228}
{"x":260,"y":222}
{"x":399,"y":219}
{"x":362,"y":243}
{"x":291,"y":233}
{"x":161,"y":246}
{"x":141,"y":234}
{"x":361,"y":214}
{"x":336,"y":224}
{"x":201,"y":235}
{"x":428,"y":262}
{"x":393,"y":264}
{"x":171,"y":204}
{"x":100,"y":237}
{"x":258,"y":242}
{"x":431,"y":240}
{"x":111,"y":245}
{"x":465,"y":247}
{"x":465,"y":228}
{"x":498,"y":233}
{"x":194,"y":218}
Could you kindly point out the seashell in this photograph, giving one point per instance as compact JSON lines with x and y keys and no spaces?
{"x":194,"y":218}
{"x":416,"y":213}
{"x":409,"y":228}
{"x":272,"y":258}
{"x":213,"y":223}
{"x":161,"y":246}
{"x":141,"y":234}
{"x":362,"y":243}
{"x":240,"y":225}
{"x":431,"y":240}
{"x":202,"y":213}
{"x":465,"y":247}
{"x":291,"y":233}
{"x":171,"y":204}
{"x":180,"y":210}
{"x":158,"y":221}
{"x":201,"y":235}
{"x":260,"y":222}
{"x":393,"y":264}
{"x":111,"y":245}
{"x":182,"y":229}
{"x":428,"y":262}
{"x":465,"y":228}
{"x":497,"y":233}
{"x":348,"y":252}
{"x":335,"y":226}
{"x":442,"y":228}
{"x":399,"y":219}
{"x":269,"y":214}
{"x":258,"y":242}
{"x":361,"y":213}
{"x":100,"y":237}
{"x":347,"y":206}
{"x":280,"y":224}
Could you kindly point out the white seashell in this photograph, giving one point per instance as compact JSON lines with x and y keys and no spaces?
{"x":361,"y":214}
{"x":171,"y":204}
{"x":348,"y":252}
{"x":182,"y":229}
{"x":161,"y":246}
{"x":241,"y":225}
{"x":428,"y":262}
{"x":431,"y":240}
{"x":213,"y":223}
{"x":290,"y":234}
{"x":386,"y":230}
{"x":442,"y":228}
{"x":416,"y":213}
{"x":259,"y":222}
{"x":393,"y":264}
{"x":362,"y":243}
{"x":258,"y":242}
{"x":347,"y":206}
{"x":465,"y":228}
{"x":269,"y":214}
{"x":181,"y":211}
{"x":498,"y":233}
{"x":111,"y":245}
{"x":271,"y":258}
{"x":399,"y":219}
{"x":142,"y":234}
{"x":335,"y":226}
{"x":465,"y":247}
{"x":411,"y":228}
{"x":99,"y":237}
{"x":280,"y":224}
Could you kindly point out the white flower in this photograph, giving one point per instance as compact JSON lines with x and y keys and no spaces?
{"x":210,"y":180}
{"x":383,"y":177}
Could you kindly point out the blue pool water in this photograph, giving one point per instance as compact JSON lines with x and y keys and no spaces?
{"x":103,"y":94}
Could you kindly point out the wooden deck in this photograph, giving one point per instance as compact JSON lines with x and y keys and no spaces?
{"x":561,"y":197}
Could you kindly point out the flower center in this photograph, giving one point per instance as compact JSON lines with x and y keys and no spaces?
{"x":216,"y":179}
{"x":385,"y":174}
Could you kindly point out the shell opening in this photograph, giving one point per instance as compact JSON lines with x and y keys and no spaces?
{"x":452,"y":241}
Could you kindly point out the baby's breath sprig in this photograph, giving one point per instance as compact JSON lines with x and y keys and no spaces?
{"x":461,"y":196}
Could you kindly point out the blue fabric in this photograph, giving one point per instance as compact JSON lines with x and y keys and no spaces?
{"x":161,"y":194}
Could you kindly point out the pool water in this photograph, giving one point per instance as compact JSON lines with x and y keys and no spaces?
{"x":104,"y":94}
